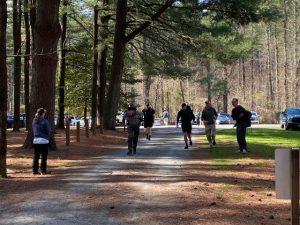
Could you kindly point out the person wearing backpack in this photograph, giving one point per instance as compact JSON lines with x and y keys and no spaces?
{"x":208,"y":117}
{"x":148,"y":120}
{"x":242,"y":118}
{"x":133,"y":118}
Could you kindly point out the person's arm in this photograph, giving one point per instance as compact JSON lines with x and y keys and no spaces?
{"x":215,"y":113}
{"x":202,"y":115}
{"x":178,"y":116}
{"x":48,"y":128}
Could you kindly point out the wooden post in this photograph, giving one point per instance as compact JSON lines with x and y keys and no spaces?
{"x":78,"y":131}
{"x":86,"y":123}
{"x":295,"y":186}
{"x":67,"y":133}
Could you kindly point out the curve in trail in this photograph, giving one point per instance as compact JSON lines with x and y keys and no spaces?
{"x":115,"y":188}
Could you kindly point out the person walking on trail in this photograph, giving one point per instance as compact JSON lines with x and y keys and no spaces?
{"x":41,"y":134}
{"x":148,"y":112}
{"x":166,"y":117}
{"x":133,"y":118}
{"x":208,"y":117}
{"x":186,"y":115}
{"x":242,"y":118}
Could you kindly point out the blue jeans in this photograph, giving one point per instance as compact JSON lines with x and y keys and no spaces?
{"x":241,"y":135}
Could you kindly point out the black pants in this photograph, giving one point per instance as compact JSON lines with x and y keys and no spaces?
{"x":241,"y":135}
{"x":40,"y":150}
{"x":133,"y":135}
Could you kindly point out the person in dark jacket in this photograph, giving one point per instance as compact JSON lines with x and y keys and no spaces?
{"x":209,"y":116}
{"x":186,"y":115}
{"x":134,"y":119}
{"x":238,"y":114}
{"x":41,"y":135}
{"x":148,"y":112}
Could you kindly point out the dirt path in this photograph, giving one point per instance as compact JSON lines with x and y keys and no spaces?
{"x":162,"y":184}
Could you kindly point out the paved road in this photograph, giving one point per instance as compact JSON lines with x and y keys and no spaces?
{"x":112,"y":189}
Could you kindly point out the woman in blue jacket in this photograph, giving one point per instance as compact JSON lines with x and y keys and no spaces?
{"x":41,"y":134}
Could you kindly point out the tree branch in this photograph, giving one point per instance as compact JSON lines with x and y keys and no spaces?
{"x":146,"y":24}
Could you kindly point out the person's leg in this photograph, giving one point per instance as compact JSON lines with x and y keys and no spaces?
{"x":189,"y":135}
{"x":239,"y":137}
{"x":243,"y":137}
{"x":44,"y":151}
{"x":150,"y":132}
{"x":207,"y":132}
{"x":36,"y":157}
{"x":130,"y":140}
{"x":185,"y":137}
{"x":135,"y":139}
{"x":213,"y":134}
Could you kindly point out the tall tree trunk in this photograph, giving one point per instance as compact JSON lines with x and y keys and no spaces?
{"x":269,"y":66}
{"x":95,"y":71}
{"x":47,"y":31}
{"x":181,"y":90}
{"x":162,"y":95}
{"x":102,"y":67}
{"x":120,"y":40}
{"x":17,"y":61}
{"x":3,"y":88}
{"x":113,"y":95}
{"x":32,"y":17}
{"x":26,"y":60}
{"x":61,"y":96}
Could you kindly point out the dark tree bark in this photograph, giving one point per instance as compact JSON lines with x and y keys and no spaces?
{"x":102,"y":67}
{"x":47,"y":31}
{"x":3,"y":88}
{"x":113,"y":95}
{"x":17,"y":61}
{"x":120,"y":40}
{"x":95,"y":71}
{"x":61,"y":98}
{"x":32,"y":17}
{"x":26,"y":60}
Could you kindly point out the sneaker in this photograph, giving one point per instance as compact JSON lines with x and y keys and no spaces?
{"x":214,"y":142}
{"x":244,"y":151}
{"x":129,"y":153}
{"x":35,"y":173}
{"x":191,"y":143}
{"x":238,"y":151}
{"x":186,"y":147}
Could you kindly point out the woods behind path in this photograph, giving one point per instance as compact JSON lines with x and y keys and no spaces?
{"x":162,"y":184}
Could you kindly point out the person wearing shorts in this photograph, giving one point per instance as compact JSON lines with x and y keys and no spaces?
{"x":186,"y":117}
{"x":148,"y":120}
{"x":208,"y":117}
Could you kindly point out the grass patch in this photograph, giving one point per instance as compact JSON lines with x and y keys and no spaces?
{"x":261,"y":143}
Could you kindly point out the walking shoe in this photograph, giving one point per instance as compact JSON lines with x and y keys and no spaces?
{"x":129,"y":153}
{"x":214,"y":142}
{"x":191,"y":143}
{"x":238,"y":151}
{"x":35,"y":173}
{"x":244,"y":151}
{"x":186,"y":147}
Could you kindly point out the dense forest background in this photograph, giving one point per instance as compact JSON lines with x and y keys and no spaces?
{"x":186,"y":55}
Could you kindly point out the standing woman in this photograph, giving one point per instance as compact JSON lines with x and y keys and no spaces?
{"x":148,"y":120}
{"x":41,"y":134}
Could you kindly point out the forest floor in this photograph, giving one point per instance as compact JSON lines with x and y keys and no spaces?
{"x":95,"y":182}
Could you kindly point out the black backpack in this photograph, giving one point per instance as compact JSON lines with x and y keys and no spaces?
{"x":247,"y":116}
